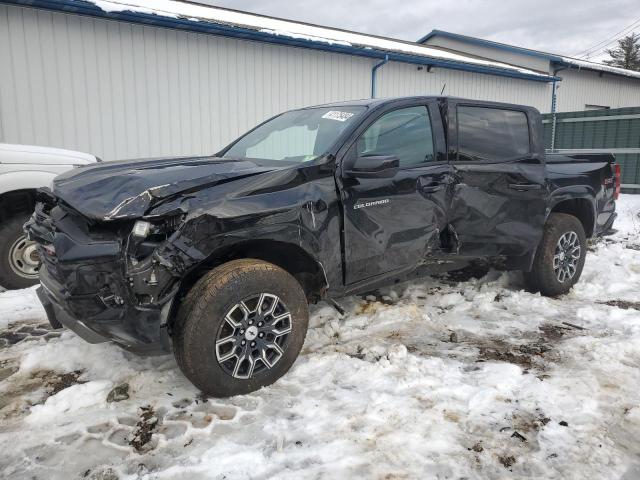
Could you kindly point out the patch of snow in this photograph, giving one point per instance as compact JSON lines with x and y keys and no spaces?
{"x":385,"y":391}
{"x":311,"y":38}
{"x":280,"y":27}
{"x":20,"y":305}
{"x":628,"y":209}
{"x":76,"y":397}
{"x":600,"y":67}
{"x":59,"y":356}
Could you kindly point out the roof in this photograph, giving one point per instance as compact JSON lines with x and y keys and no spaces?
{"x":361,"y":102}
{"x":375,"y":102}
{"x":560,"y":60}
{"x":369,"y":102}
{"x":233,"y":23}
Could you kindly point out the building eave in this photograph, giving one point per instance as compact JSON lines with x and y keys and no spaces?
{"x":558,"y":60}
{"x":491,"y":44}
{"x":88,"y":8}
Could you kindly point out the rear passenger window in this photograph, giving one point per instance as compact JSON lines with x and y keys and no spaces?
{"x":491,"y":134}
{"x":405,"y":133}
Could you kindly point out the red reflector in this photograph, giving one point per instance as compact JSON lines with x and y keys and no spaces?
{"x":618,"y":175}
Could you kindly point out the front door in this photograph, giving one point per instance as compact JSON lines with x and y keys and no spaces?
{"x":393,"y":222}
{"x":500,"y":195}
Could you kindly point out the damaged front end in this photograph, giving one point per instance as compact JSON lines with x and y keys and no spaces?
{"x":109,"y":281}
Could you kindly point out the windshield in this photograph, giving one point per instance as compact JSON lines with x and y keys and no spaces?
{"x":296,"y":136}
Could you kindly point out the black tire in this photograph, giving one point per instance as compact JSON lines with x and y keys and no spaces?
{"x":11,"y":237}
{"x":542,"y":277}
{"x":201,"y":318}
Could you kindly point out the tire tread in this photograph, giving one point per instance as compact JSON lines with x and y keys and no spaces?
{"x":541,"y":278}
{"x":209,"y":288}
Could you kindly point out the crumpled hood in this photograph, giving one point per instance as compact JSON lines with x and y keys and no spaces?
{"x":129,"y":188}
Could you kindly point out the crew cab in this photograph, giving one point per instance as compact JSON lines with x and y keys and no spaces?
{"x":216,"y":258}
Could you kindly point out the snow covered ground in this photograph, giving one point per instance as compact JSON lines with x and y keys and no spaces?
{"x":439,"y":378}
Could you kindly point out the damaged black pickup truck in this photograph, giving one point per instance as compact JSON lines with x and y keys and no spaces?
{"x":217,"y":258}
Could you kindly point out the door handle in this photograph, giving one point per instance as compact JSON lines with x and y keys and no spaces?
{"x":431,"y":188}
{"x":523,"y":187}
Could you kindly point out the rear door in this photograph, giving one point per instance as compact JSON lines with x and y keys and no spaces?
{"x":393,"y":223}
{"x":499,"y":201}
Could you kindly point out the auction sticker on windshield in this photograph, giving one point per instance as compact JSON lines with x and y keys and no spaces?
{"x":337,"y":115}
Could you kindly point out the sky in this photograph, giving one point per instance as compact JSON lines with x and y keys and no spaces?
{"x":567,"y":27}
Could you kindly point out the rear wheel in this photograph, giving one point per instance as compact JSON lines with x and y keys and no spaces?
{"x":560,"y":256}
{"x":240,"y":328}
{"x":19,"y":259}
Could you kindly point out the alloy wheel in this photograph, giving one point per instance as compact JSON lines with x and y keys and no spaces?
{"x":253,"y":336}
{"x":567,"y":256}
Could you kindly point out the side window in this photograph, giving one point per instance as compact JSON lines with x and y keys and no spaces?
{"x":486,"y":133}
{"x":405,"y":133}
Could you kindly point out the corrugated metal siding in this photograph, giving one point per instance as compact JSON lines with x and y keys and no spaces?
{"x":121,"y":90}
{"x":580,"y":88}
{"x":608,"y":134}
{"x":402,"y":79}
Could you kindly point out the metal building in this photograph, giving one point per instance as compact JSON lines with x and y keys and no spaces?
{"x":137,"y":78}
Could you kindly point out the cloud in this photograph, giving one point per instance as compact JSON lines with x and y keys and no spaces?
{"x":559,"y":26}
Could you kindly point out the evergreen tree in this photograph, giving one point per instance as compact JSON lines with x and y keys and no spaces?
{"x":626,"y":54}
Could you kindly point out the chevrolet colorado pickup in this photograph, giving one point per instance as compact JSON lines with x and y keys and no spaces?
{"x":217,"y":258}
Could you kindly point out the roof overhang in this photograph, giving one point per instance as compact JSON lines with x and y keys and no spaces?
{"x":88,"y":8}
{"x":556,"y":60}
{"x":489,"y":43}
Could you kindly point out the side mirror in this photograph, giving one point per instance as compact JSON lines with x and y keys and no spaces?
{"x":375,"y":166}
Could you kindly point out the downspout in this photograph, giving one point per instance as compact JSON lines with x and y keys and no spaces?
{"x":553,"y":115}
{"x":554,"y":104}
{"x":373,"y":75}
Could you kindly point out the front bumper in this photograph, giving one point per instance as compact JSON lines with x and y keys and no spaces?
{"x":87,"y":286}
{"x":142,"y":331}
{"x":59,"y":318}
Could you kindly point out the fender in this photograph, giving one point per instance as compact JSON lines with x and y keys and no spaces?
{"x":278,"y":241}
{"x":286,"y":241}
{"x":272,"y":243}
{"x":574,"y":192}
{"x":25,"y":180}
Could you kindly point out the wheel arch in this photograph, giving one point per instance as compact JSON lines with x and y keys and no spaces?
{"x":581,"y":207}
{"x":17,"y":201}
{"x":292,"y":258}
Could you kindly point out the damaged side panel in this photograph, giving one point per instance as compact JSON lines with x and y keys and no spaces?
{"x":490,"y":216}
{"x":393,"y":224}
{"x":273,"y":208}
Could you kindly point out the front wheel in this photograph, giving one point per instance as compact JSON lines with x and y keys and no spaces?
{"x":240,"y":327}
{"x":560,"y":256}
{"x":19,"y":259}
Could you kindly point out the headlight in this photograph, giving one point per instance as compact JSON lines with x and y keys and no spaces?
{"x":141,"y":229}
{"x":146,"y":235}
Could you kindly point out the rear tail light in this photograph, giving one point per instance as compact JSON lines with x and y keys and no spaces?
{"x":617,"y":174}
